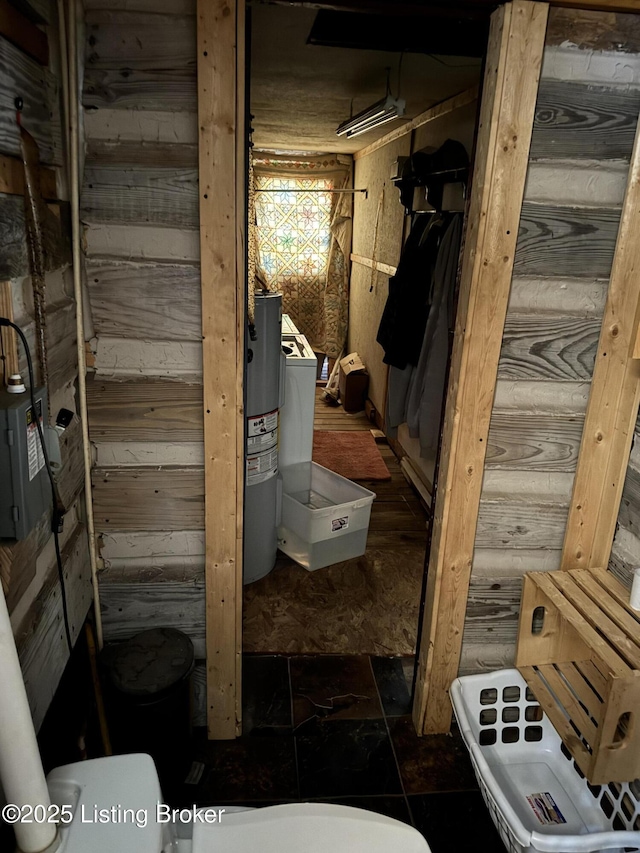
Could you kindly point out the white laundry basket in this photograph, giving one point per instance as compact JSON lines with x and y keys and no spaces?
{"x":538,"y":798}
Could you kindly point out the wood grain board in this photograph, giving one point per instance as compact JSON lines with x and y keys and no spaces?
{"x":18,"y":560}
{"x":521,"y":524}
{"x":157,"y":196}
{"x":41,"y":642}
{"x":529,"y":441}
{"x":150,"y":301}
{"x":514,"y":58}
{"x":23,"y":34}
{"x":134,"y":606}
{"x":145,"y":153}
{"x":613,"y":401}
{"x":590,"y":29}
{"x":544,"y":346}
{"x":581,"y":121}
{"x":148,"y":499}
{"x":140,"y":60}
{"x":70,"y":478}
{"x":20,"y":73}
{"x":223,"y":252}
{"x":15,"y":261}
{"x":556,"y":240}
{"x":12,"y":177}
{"x":145,"y":411}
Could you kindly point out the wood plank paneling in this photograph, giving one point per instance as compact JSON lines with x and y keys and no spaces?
{"x":577,"y":183}
{"x":18,"y":560}
{"x":140,"y":60}
{"x":104,"y":152}
{"x":158,"y":196}
{"x":528,"y":441}
{"x":582,"y":297}
{"x":521,"y":524}
{"x":145,"y":411}
{"x":131,"y":358}
{"x":613,"y":400}
{"x":150,"y":301}
{"x":70,"y":478}
{"x":556,"y":240}
{"x":42,"y":646}
{"x":514,"y":58}
{"x":22,"y":33}
{"x":115,"y":126}
{"x":14,"y":261}
{"x":590,"y":28}
{"x":142,"y":243}
{"x":148,"y":499}
{"x":548,"y":347}
{"x":12,"y":177}
{"x":223,"y":252}
{"x":19,"y":74}
{"x":130,"y":607}
{"x":577,"y":120}
{"x":493,"y":609}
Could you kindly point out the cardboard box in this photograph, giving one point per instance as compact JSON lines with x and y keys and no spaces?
{"x":353,"y":383}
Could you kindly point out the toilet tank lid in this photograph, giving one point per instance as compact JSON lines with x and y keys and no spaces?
{"x":308,"y":827}
{"x":110,"y":799}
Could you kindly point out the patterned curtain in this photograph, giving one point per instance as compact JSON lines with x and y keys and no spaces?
{"x":304,"y":241}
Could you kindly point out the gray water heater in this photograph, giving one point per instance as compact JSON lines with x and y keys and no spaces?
{"x":263,"y":487}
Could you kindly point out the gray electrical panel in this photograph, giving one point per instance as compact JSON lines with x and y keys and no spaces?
{"x":25,"y":491}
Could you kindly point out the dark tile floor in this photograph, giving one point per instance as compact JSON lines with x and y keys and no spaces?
{"x":338,"y":728}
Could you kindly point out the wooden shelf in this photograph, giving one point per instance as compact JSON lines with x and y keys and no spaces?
{"x":579,"y":651}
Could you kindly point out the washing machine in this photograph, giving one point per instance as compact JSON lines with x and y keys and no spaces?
{"x":297,"y":413}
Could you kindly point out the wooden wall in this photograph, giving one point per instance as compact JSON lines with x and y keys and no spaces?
{"x":369,"y":288}
{"x":586,"y":115}
{"x":625,"y":553}
{"x":28,"y":568}
{"x":140,"y":211}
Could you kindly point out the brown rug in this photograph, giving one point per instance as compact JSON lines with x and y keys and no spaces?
{"x":353,"y":454}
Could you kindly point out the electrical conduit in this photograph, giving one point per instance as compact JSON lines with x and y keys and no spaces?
{"x":74,"y":168}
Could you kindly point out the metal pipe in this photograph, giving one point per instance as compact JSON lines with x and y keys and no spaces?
{"x":283,"y":190}
{"x":77,"y":291}
{"x":21,"y":770}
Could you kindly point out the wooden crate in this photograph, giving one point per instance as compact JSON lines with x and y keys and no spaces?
{"x":579,"y":651}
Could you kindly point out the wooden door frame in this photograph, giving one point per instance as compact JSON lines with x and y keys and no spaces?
{"x":222,"y":174}
{"x":512,"y":72}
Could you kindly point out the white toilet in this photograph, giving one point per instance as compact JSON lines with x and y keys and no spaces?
{"x":117,"y":808}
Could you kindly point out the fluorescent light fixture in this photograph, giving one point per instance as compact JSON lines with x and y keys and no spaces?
{"x":387,"y":109}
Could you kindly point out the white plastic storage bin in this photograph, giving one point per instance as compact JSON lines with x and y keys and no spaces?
{"x":538,"y":798}
{"x":325,"y":517}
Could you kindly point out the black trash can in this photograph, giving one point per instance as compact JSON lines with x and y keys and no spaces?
{"x":148,"y":698}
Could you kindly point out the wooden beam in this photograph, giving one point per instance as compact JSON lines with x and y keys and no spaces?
{"x":430,"y":7}
{"x":613,"y":400}
{"x":516,"y":45}
{"x":19,"y":30}
{"x":457,"y":102}
{"x":12,"y":178}
{"x":387,"y":269}
{"x":8,"y":336}
{"x":221,"y":138}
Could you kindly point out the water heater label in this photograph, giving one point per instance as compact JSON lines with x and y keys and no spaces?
{"x":262,"y":466}
{"x":34,"y":448}
{"x":262,"y":432}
